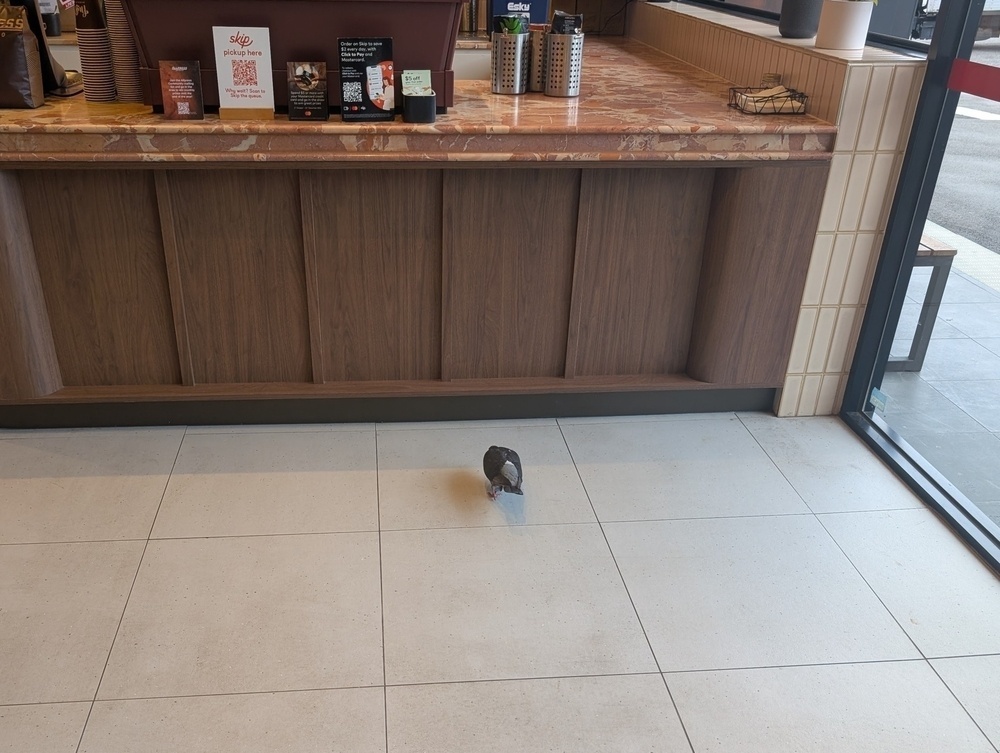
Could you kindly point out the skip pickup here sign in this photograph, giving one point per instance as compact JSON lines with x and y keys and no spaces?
{"x":243,"y":66}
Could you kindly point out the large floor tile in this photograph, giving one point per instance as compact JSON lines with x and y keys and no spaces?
{"x":59,"y":607}
{"x":942,"y":595}
{"x":48,"y":728}
{"x":750,"y":592}
{"x":607,"y":714}
{"x":960,"y":288}
{"x":298,"y":722}
{"x":828,"y":465}
{"x":236,"y":484}
{"x":980,"y":399}
{"x":250,"y":614}
{"x":975,"y":681}
{"x":83,"y":485}
{"x":433,"y":478}
{"x":499,"y":603}
{"x":992,"y":510}
{"x":896,"y":707}
{"x":277,"y":428}
{"x":970,"y":460}
{"x":907,"y":326}
{"x":973,"y":319}
{"x":949,"y":360}
{"x":992,"y":344}
{"x":916,"y":406}
{"x":643,"y":418}
{"x":964,"y":289}
{"x":487,"y":424}
{"x":678,"y":469}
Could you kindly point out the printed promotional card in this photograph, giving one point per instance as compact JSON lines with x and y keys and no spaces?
{"x":417,"y":84}
{"x":367,"y":83}
{"x":243,"y":66}
{"x":180,"y":82}
{"x":307,"y":94}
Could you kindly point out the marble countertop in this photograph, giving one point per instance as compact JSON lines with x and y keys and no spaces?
{"x":636,"y":104}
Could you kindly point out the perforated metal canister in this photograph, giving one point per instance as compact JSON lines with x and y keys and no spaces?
{"x":536,"y":78}
{"x":509,"y":63}
{"x":563,"y":64}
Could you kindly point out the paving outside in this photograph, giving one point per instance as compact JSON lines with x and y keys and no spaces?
{"x":950,"y":410}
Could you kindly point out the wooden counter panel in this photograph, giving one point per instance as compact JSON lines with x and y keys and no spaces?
{"x":375,"y":239}
{"x":28,"y":364}
{"x":509,"y":238}
{"x":100,"y":258}
{"x":242,"y":270}
{"x":640,"y":241}
{"x":756,"y":257}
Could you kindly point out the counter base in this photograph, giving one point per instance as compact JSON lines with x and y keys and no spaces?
{"x":198,"y":412}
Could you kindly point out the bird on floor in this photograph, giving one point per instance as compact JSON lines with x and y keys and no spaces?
{"x":502,"y":467}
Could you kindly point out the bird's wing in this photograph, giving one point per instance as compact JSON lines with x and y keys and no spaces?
{"x":511,"y":473}
{"x":516,"y":460}
{"x":492,"y":463}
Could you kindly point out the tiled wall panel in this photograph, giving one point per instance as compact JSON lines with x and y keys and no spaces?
{"x":871,"y":97}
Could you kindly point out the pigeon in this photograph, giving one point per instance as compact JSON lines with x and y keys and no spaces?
{"x":502,"y":467}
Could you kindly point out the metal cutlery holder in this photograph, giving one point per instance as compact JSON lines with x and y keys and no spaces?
{"x":509,"y":63}
{"x":536,"y":80}
{"x":563,"y":64}
{"x":472,"y":19}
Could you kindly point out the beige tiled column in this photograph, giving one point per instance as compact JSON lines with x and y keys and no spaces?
{"x":871,"y":97}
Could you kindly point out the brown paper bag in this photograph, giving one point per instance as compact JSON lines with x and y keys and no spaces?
{"x":20,"y":63}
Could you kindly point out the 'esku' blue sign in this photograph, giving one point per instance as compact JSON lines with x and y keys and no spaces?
{"x":539,"y":9}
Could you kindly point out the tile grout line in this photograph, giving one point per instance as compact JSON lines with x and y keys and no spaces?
{"x":962,"y":705}
{"x":488,"y":680}
{"x":337,"y":688}
{"x":621,"y":576}
{"x":797,"y":665}
{"x":128,"y":597}
{"x":775,"y":465}
{"x":958,"y":407}
{"x":381,"y":590}
{"x":279,"y":534}
{"x":870,"y":588}
{"x":444,"y":528}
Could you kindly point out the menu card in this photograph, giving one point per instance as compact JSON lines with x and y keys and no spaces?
{"x":243,"y":67}
{"x":307,"y":94}
{"x":180,"y":82}
{"x":367,"y":82}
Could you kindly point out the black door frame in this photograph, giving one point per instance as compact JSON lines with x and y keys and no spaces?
{"x":953,"y":38}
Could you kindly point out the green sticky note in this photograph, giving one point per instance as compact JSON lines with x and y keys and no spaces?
{"x":417,"y":83}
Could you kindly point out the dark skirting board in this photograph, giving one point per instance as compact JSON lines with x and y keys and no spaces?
{"x":353,"y":410}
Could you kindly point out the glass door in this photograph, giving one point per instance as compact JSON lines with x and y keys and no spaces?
{"x":925,"y":388}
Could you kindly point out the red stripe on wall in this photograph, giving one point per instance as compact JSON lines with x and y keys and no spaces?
{"x":975,"y":78}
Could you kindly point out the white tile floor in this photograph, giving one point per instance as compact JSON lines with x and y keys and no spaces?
{"x":686,"y":583}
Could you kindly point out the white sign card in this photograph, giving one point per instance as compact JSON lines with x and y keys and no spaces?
{"x":243,"y":66}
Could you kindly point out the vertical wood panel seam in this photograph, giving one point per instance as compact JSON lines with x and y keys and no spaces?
{"x":309,"y":251}
{"x":171,"y":252}
{"x":447,"y":252}
{"x":575,"y":306}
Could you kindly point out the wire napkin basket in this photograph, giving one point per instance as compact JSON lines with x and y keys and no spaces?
{"x":758,"y":100}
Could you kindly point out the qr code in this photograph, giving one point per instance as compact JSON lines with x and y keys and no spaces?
{"x":352,"y":91}
{"x":245,"y":72}
{"x":183,"y":108}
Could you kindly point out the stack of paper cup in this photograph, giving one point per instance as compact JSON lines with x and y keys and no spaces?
{"x":124,"y":55}
{"x":95,"y":52}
